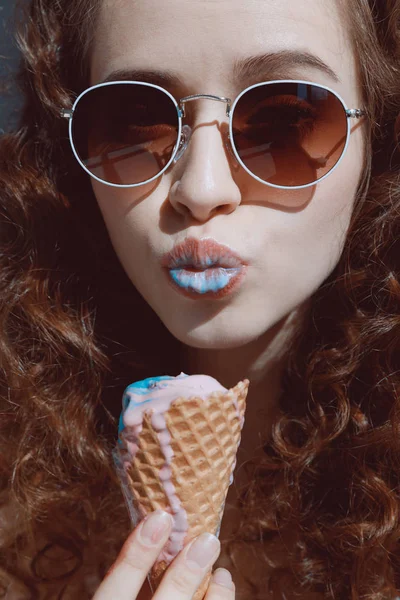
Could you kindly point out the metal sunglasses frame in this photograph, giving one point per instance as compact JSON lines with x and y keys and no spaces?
{"x":184,"y":132}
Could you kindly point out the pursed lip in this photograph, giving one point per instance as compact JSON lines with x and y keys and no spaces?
{"x":201,"y":254}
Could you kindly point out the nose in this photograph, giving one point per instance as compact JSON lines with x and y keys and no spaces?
{"x":206,"y":187}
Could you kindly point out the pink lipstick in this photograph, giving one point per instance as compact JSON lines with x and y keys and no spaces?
{"x":204,"y":269}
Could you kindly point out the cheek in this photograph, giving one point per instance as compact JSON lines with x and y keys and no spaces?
{"x":306,"y":245}
{"x":313,"y":239}
{"x":115,"y":203}
{"x":126,"y":214}
{"x":334,"y":203}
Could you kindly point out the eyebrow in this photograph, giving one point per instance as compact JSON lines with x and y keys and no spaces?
{"x":254,"y":69}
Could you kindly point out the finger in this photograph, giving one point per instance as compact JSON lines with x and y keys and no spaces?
{"x":189,"y":568}
{"x":136,"y":558}
{"x":221,"y":586}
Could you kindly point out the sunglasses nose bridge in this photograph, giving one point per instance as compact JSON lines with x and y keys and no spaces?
{"x":182,"y":101}
{"x":187,"y":130}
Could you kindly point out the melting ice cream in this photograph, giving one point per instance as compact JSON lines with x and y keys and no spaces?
{"x":158,"y":393}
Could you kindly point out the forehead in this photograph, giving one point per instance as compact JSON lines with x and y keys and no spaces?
{"x":206,"y":42}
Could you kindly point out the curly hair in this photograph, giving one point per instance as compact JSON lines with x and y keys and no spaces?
{"x":75,"y":332}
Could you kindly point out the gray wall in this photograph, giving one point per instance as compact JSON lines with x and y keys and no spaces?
{"x":9,"y":97}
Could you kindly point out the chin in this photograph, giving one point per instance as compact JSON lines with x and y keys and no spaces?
{"x":212,"y":336}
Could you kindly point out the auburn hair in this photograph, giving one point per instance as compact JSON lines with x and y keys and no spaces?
{"x":74,"y":332}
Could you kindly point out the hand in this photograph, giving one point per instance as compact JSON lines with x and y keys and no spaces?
{"x":183,"y":576}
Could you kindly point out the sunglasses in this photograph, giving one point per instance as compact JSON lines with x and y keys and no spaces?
{"x":287,"y":134}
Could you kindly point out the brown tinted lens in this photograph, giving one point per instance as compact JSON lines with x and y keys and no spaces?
{"x":125,"y":133}
{"x":289,"y":134}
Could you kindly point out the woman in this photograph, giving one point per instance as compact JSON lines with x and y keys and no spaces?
{"x":300,"y":179}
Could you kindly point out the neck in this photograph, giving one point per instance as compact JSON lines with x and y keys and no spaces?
{"x":262,"y":362}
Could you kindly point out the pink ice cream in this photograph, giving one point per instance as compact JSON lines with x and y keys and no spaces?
{"x":157,"y":393}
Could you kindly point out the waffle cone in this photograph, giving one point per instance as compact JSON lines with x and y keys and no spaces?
{"x":205,"y":436}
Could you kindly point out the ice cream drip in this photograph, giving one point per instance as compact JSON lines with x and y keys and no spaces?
{"x":157,"y":394}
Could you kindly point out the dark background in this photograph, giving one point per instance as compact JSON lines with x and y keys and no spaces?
{"x":9,"y":54}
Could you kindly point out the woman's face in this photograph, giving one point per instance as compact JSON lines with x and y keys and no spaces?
{"x":290,"y":240}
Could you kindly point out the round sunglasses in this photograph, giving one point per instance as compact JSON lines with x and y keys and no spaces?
{"x":288,"y":134}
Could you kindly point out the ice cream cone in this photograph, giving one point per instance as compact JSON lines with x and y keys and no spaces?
{"x":204,"y":438}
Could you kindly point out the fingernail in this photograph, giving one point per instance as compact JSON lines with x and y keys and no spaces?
{"x":223,"y":577}
{"x":155,"y":527}
{"x":203,"y":550}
